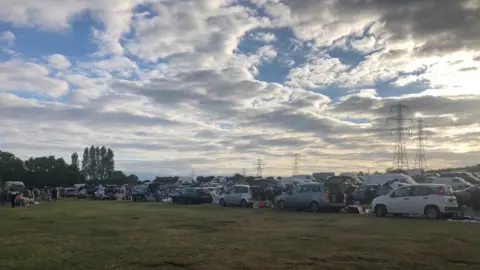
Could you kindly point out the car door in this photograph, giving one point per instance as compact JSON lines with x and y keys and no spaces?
{"x":291,"y":200}
{"x":228,"y":196}
{"x":359,"y":194}
{"x":240,"y":193}
{"x":304,"y":197}
{"x":419,"y":199}
{"x":398,"y":201}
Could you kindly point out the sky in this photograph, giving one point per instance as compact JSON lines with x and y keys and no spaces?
{"x":209,"y":85}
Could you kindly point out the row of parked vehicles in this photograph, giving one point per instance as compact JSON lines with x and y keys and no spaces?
{"x":398,"y":194}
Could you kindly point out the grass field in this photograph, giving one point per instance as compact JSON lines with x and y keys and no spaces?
{"x":82,"y":234}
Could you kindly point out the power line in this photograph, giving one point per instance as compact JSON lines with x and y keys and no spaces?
{"x":295,"y":164}
{"x":400,"y":158}
{"x":420,"y":139}
{"x":259,"y":167}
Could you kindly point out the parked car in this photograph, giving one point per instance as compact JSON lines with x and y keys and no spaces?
{"x":312,"y":196}
{"x":336,"y":186}
{"x":275,"y":185}
{"x":456,"y":183}
{"x":366,"y":194}
{"x":464,"y":175}
{"x":464,"y":197}
{"x":431,"y":200}
{"x":146,"y":192}
{"x":107,"y":192}
{"x":193,"y":196}
{"x":82,"y":192}
{"x":243,"y":195}
{"x":70,"y":192}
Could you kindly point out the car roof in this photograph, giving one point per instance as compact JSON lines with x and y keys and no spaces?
{"x":427,"y":184}
{"x":242,"y":186}
{"x":312,"y":184}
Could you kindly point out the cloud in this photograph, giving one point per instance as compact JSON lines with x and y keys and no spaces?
{"x":212,"y":84}
{"x":31,"y":77}
{"x":9,"y":37}
{"x":58,"y":61}
{"x":206,"y":26}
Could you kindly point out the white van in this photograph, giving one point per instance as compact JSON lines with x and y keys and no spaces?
{"x":17,"y":185}
{"x":456,"y":183}
{"x":394,"y":180}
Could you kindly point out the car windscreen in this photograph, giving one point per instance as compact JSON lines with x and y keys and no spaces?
{"x":202,"y":192}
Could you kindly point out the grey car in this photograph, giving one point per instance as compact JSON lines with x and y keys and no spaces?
{"x":312,"y":196}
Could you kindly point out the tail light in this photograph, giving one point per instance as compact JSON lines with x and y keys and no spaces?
{"x":440,"y":191}
{"x":325,"y":196}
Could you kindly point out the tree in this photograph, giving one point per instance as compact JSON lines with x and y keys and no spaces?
{"x":75,"y":164}
{"x":85,"y":164}
{"x":11,"y":168}
{"x":166,"y":180}
{"x":202,"y":179}
{"x":98,"y":164}
{"x":110,"y":163}
{"x":103,"y":167}
{"x":92,"y":166}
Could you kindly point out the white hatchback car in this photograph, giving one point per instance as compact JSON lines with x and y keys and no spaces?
{"x":431,"y":200}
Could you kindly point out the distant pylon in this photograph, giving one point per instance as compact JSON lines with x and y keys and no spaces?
{"x":400,"y":158}
{"x":295,"y":164}
{"x":420,"y":139}
{"x":244,"y":172}
{"x":259,"y":167}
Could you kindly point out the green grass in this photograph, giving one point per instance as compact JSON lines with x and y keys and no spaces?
{"x":82,"y":234}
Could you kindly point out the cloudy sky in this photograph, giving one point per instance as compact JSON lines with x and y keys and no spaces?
{"x":172,"y":85}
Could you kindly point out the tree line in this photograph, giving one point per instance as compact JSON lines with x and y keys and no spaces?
{"x":97,"y":166}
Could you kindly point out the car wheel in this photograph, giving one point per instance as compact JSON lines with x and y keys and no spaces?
{"x":314,"y":207}
{"x":432,"y":212}
{"x":243,"y":204}
{"x":281,"y":204}
{"x":380,"y":210}
{"x":222,"y":202}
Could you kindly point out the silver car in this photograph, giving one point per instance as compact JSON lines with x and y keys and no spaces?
{"x":312,"y":196}
{"x":242,"y":195}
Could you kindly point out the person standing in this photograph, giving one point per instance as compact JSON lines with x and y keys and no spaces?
{"x":3,"y":197}
{"x":13,"y":196}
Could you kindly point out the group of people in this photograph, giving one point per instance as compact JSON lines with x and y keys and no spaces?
{"x":25,"y":197}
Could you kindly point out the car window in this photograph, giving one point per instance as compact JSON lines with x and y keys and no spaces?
{"x":421,"y":191}
{"x":231,"y":191}
{"x":190,"y":191}
{"x":297,"y":189}
{"x":241,"y":190}
{"x":316,"y":189}
{"x":202,"y":192}
{"x":362,"y":189}
{"x":306,"y":189}
{"x":447,"y":190}
{"x":402,"y":192}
